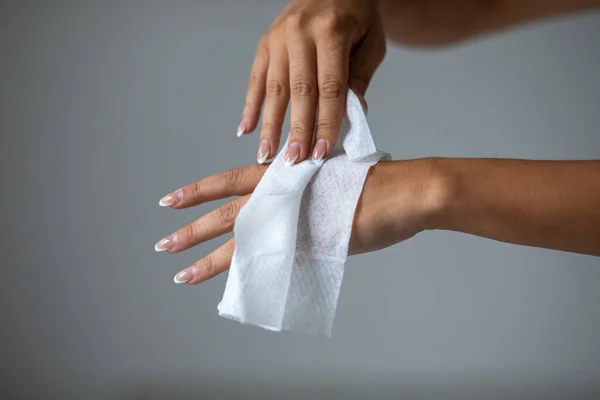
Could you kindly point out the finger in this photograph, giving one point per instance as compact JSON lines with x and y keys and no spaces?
{"x":332,"y":65}
{"x":365,"y":60}
{"x":276,"y":101}
{"x":208,"y":267}
{"x":235,"y":182}
{"x":364,"y":104}
{"x":207,"y":227}
{"x":303,"y":92}
{"x":256,"y":90}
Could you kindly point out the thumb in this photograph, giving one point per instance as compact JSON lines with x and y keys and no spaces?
{"x":366,"y":58}
{"x":363,"y":103}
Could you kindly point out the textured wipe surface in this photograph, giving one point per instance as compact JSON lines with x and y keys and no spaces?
{"x":292,"y":236}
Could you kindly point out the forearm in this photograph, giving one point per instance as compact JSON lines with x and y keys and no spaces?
{"x":439,"y":22}
{"x":549,"y":204}
{"x":507,"y":13}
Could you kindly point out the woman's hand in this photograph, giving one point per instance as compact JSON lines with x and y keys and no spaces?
{"x":311,"y":54}
{"x":396,"y":203}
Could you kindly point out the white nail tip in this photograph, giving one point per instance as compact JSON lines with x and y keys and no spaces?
{"x":165,"y":203}
{"x":240,"y":132}
{"x":261,"y":158}
{"x":179,"y":281}
{"x":289,"y":162}
{"x":158,"y":246}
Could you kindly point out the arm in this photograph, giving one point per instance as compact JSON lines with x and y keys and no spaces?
{"x":550,"y":204}
{"x":439,"y":22}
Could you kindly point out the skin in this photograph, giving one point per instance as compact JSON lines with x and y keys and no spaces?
{"x":309,"y":57}
{"x":380,"y":221}
{"x":317,"y":49}
{"x":549,"y":204}
{"x":435,"y":23}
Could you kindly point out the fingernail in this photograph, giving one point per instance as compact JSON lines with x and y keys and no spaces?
{"x":242,"y":128}
{"x":263,"y":151}
{"x":171,"y":199}
{"x":185,"y":276}
{"x":292,"y":154}
{"x":166,"y":243}
{"x":320,"y":149}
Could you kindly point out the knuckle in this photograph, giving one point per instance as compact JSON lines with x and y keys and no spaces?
{"x":275,"y":88}
{"x":296,"y":21}
{"x":326,"y":126}
{"x":298,"y":129}
{"x":227,"y":213}
{"x":330,"y":87}
{"x":196,"y":191}
{"x":302,"y":88}
{"x":233,"y":177}
{"x":207,"y":264}
{"x":253,"y":81}
{"x":330,"y":23}
{"x":187,"y":233}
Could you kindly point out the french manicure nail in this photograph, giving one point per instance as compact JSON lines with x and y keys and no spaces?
{"x":166,"y":243}
{"x":171,"y":199}
{"x":292,"y":154}
{"x":263,"y":151}
{"x":242,"y":128}
{"x":319,"y":152}
{"x":185,"y":276}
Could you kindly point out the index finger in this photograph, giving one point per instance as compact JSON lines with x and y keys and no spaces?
{"x":235,"y":182}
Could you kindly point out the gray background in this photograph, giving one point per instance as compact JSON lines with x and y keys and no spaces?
{"x":108,"y":105}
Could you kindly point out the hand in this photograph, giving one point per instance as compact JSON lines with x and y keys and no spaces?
{"x":312,"y":53}
{"x":396,"y":204}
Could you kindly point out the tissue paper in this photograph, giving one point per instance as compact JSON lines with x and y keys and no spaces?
{"x":292,"y":235}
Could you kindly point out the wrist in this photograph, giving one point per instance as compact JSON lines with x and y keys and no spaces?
{"x":438,"y":193}
{"x":413,"y":196}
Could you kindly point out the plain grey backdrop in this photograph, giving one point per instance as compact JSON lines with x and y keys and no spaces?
{"x":108,"y":105}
